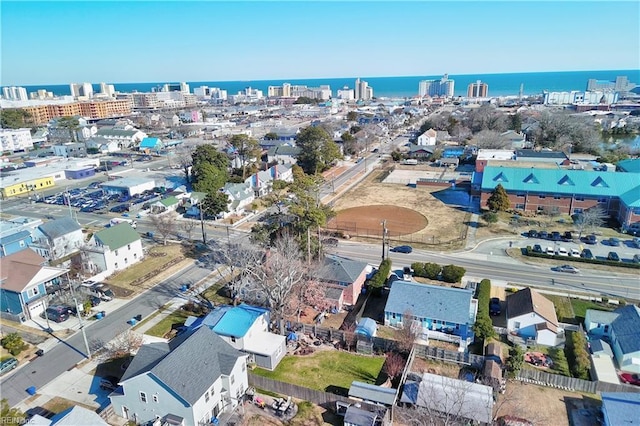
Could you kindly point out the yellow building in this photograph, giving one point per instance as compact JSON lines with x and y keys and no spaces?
{"x":9,"y":189}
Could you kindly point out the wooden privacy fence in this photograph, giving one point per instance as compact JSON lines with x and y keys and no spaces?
{"x":571,"y":383}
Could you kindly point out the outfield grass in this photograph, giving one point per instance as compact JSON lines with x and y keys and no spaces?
{"x":326,"y":368}
{"x":166,"y":324}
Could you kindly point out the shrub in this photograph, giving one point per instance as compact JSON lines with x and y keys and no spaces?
{"x":418,"y":269}
{"x":483,"y":296}
{"x":577,"y":355}
{"x":483,"y":328}
{"x":490,"y":217}
{"x":432,"y":270}
{"x":515,"y":361}
{"x":13,"y":343}
{"x":453,"y":273}
{"x":380,"y":277}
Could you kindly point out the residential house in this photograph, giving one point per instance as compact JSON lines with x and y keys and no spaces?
{"x":58,"y":238}
{"x":150,"y":144}
{"x":514,"y":139}
{"x":419,"y":151}
{"x":372,"y":394}
{"x":427,"y":138}
{"x":532,"y":317}
{"x":73,"y":416}
{"x":190,"y":203}
{"x":621,"y":329}
{"x":170,"y":203}
{"x":458,"y":398}
{"x":113,"y":249}
{"x":246,"y":328}
{"x":190,"y":381}
{"x":343,"y":279}
{"x":262,"y":181}
{"x":240,"y":195}
{"x":70,"y":149}
{"x":24,"y":278}
{"x":567,"y":191}
{"x":283,"y":154}
{"x":16,"y":234}
{"x":620,"y":408}
{"x":124,"y":138}
{"x":434,"y":312}
{"x":102,"y":145}
{"x":356,"y":416}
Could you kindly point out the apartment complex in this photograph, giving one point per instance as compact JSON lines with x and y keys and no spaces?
{"x":15,"y":140}
{"x":362,"y":90}
{"x":14,"y":93}
{"x":443,"y":87}
{"x":288,"y":90}
{"x":41,"y":114}
{"x":478,"y":90}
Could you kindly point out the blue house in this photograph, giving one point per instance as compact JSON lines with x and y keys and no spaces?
{"x":620,"y":408}
{"x":24,"y":278}
{"x":14,"y":242}
{"x":150,"y":144}
{"x":440,"y":313}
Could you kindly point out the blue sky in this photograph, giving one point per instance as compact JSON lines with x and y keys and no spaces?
{"x":59,"y":42}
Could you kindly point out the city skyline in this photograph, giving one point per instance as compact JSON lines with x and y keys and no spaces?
{"x":218,"y":41}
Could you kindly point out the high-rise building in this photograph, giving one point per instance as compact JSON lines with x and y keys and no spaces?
{"x":107,"y":89}
{"x":443,"y":87}
{"x":362,"y":90}
{"x":621,"y":84}
{"x":81,"y":90}
{"x":14,"y":93}
{"x":477,"y":90}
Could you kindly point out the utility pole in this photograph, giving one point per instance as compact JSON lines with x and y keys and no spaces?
{"x":84,"y":334}
{"x":384,"y":234}
{"x":204,"y":235}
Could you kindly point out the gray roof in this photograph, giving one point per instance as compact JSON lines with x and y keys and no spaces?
{"x":358,"y":416}
{"x":373,"y":393}
{"x":339,"y":269}
{"x":601,"y":317}
{"x":416,"y":148}
{"x":12,"y":238}
{"x":284,"y":150}
{"x":600,"y":346}
{"x":59,"y":227}
{"x":126,"y":182}
{"x":532,"y":153}
{"x":116,"y":132}
{"x":190,"y":368}
{"x":77,"y":416}
{"x":626,"y":328}
{"x":147,"y":357}
{"x":430,"y":301}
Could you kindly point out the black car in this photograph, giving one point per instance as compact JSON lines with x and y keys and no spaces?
{"x":590,"y":239}
{"x":613,"y":242}
{"x":95,"y":301}
{"x":586,"y":254}
{"x":402,"y":249}
{"x":613,"y":256}
{"x":56,"y":313}
{"x":494,"y":306}
{"x":537,"y":248}
{"x":567,"y":236}
{"x":555,"y":236}
{"x":544,"y":235}
{"x":533,"y":233}
{"x":109,"y":383}
{"x":119,"y":208}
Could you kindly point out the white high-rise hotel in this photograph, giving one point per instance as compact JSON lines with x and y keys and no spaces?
{"x":442,"y":87}
{"x":14,"y":93}
{"x":363,"y":91}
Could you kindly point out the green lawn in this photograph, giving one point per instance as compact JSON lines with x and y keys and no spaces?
{"x":580,"y":307}
{"x":326,"y":368}
{"x":564,"y":308}
{"x":164,"y":326}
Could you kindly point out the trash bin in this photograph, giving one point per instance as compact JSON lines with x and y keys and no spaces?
{"x":31,"y":390}
{"x":132,"y":321}
{"x":99,"y":315}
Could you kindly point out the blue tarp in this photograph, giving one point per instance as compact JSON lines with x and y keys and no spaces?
{"x":367,"y":327}
{"x":292,"y":336}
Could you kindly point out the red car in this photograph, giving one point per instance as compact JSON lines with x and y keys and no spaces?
{"x":632,"y":379}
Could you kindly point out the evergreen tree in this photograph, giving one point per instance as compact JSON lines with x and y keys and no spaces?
{"x":499,"y":200}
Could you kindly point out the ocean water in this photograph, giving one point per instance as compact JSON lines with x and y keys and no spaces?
{"x":499,"y":84}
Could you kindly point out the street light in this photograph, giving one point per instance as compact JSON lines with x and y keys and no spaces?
{"x":384,"y":234}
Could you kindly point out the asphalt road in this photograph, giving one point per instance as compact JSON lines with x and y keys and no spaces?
{"x":503,"y":268}
{"x":67,"y":354}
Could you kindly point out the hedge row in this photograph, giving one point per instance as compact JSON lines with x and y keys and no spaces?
{"x":433,"y":271}
{"x":529,"y":252}
{"x":483,"y":328}
{"x":381,"y":275}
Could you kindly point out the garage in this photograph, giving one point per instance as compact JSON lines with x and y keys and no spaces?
{"x":36,"y":308}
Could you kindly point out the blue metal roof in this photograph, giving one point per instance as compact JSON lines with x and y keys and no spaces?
{"x":238,"y":320}
{"x":149,"y":142}
{"x":430,"y":301}
{"x":620,"y":408}
{"x":627,"y":328}
{"x":631,"y":165}
{"x":626,"y":186}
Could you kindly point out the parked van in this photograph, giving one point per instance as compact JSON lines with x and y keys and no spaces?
{"x":8,"y":365}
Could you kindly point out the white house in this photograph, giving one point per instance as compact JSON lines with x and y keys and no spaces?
{"x":113,"y":249}
{"x":246,"y":328}
{"x":427,"y":138}
{"x":189,"y":381}
{"x":240,"y":195}
{"x":262,"y":181}
{"x":57,"y":238}
{"x":622,"y":327}
{"x":103,"y":145}
{"x":124,"y":138}
{"x":532,"y":317}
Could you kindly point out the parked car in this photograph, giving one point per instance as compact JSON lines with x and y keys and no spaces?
{"x":533,"y":233}
{"x":567,"y":268}
{"x":56,"y":313}
{"x":613,"y":242}
{"x":537,"y":248}
{"x":330,"y":242}
{"x":574,"y":253}
{"x":95,"y":301}
{"x":544,"y":235}
{"x":567,"y":236}
{"x":494,"y":306}
{"x":406,"y":273}
{"x":550,"y":251}
{"x":8,"y":365}
{"x":590,"y":239}
{"x":562,"y":251}
{"x":613,"y":256}
{"x":555,"y":236}
{"x":586,"y":254}
{"x":636,"y":258}
{"x":402,"y":249}
{"x":631,"y":378}
{"x":109,"y":383}
{"x":635,"y":242}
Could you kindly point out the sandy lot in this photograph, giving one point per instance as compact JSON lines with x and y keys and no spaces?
{"x":399,"y":220}
{"x":444,"y":223}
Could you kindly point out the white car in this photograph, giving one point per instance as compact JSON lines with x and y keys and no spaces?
{"x":562,"y":252}
{"x":550,"y":251}
{"x":575,"y":253}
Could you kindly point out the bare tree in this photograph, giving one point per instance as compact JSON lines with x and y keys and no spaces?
{"x":278,"y":273}
{"x":124,"y":344}
{"x":188,"y":227}
{"x":406,"y":335}
{"x":490,"y":139}
{"x":184,"y":159}
{"x":590,"y":219}
{"x":307,"y":293}
{"x":165,"y":224}
{"x":235,"y":256}
{"x":394,"y":365}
